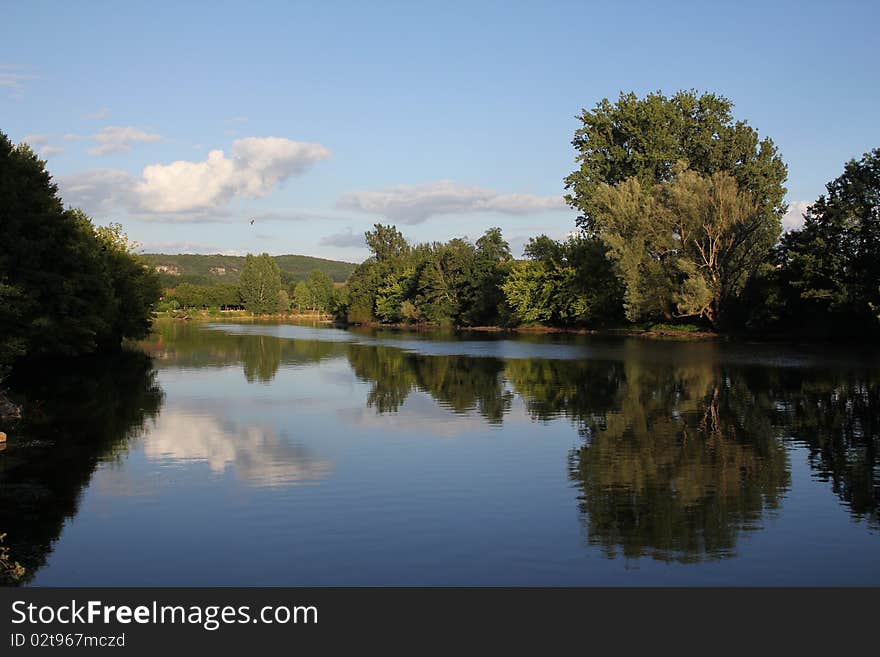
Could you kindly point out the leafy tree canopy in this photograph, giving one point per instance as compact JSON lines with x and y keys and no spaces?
{"x":685,"y":247}
{"x":647,"y":137}
{"x":833,"y":262}
{"x":66,"y":287}
{"x":260,"y":284}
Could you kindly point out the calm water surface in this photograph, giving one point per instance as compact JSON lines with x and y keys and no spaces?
{"x":258,"y":454}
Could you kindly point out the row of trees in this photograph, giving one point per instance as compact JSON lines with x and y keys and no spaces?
{"x":67,"y":287}
{"x":679,"y":221}
{"x":259,"y":290}
{"x":456,"y":282}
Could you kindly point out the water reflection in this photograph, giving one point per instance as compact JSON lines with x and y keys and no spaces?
{"x":684,"y":461}
{"x":253,"y":453}
{"x":684,"y":444}
{"x":76,"y":415}
{"x":837,"y":416}
{"x":677,"y":460}
{"x":459,"y":383}
{"x":189,"y":345}
{"x":671,"y":452}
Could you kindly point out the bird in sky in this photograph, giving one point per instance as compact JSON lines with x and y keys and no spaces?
{"x":252,"y":222}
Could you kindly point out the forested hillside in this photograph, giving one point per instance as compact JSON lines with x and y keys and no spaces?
{"x":206,"y":269}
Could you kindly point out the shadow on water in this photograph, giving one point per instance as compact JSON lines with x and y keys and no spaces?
{"x":74,"y":415}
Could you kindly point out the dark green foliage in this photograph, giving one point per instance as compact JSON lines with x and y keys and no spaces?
{"x":648,"y":137}
{"x":386,"y":242}
{"x":136,"y":288}
{"x":484,"y":299}
{"x":315,"y":294}
{"x":188,"y":295}
{"x":260,"y":284}
{"x":832,"y":265}
{"x":564,"y":283}
{"x":452,"y":283}
{"x":67,"y":287}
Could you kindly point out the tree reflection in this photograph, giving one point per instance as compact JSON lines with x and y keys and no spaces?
{"x":184,"y":344}
{"x":75,"y":414}
{"x":261,"y":355}
{"x":685,"y":460}
{"x":684,"y":449}
{"x":837,"y":417}
{"x":459,"y":383}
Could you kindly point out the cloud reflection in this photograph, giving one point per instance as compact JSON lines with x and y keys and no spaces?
{"x":255,"y":454}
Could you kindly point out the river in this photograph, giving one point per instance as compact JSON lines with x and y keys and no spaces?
{"x":271,"y":454}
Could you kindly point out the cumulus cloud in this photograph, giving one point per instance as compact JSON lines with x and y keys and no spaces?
{"x":194,"y":191}
{"x":120,"y":139}
{"x":256,"y":166}
{"x":40,"y":144}
{"x":347,"y":238}
{"x":794,"y":218}
{"x":413,"y":204}
{"x":99,"y":192}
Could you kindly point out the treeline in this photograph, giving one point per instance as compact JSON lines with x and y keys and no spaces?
{"x":208,"y":270}
{"x":680,"y":223}
{"x":260,"y":290}
{"x":67,"y":287}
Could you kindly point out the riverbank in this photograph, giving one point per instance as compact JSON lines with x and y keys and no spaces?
{"x":688,"y":332}
{"x":239,"y":315}
{"x":658,"y":333}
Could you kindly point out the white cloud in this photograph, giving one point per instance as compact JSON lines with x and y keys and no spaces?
{"x":120,"y":139}
{"x":40,"y":144}
{"x":413,"y":204}
{"x":35,"y":141}
{"x":100,"y":191}
{"x":256,"y":166}
{"x":794,"y":218}
{"x":102,"y":113}
{"x":346,"y":238}
{"x":194,"y":191}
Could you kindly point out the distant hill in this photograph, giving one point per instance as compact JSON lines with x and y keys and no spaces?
{"x":205,"y":269}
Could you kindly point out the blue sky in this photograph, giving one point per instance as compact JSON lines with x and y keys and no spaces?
{"x":184,"y":120}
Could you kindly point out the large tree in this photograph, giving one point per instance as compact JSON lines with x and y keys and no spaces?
{"x":260,"y":284}
{"x":683,"y":248}
{"x":648,"y":137}
{"x":833,"y":262}
{"x":66,"y":287}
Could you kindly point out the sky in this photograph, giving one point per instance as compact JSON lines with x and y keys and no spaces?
{"x":185,"y":120}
